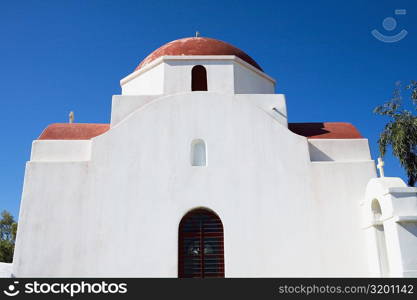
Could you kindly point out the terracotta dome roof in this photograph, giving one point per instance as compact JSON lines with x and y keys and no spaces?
{"x":198,"y":46}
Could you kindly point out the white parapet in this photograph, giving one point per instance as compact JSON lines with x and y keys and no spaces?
{"x":123,"y":105}
{"x":5,"y":270}
{"x":61,"y":150}
{"x":273,"y":104}
{"x":339,"y":150}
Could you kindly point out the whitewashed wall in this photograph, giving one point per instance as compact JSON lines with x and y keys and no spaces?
{"x":118,"y":214}
{"x":111,"y":206}
{"x":5,"y":270}
{"x":150,"y":82}
{"x":251,"y":82}
{"x":172,"y":74}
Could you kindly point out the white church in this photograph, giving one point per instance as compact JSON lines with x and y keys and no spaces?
{"x":201,"y":174}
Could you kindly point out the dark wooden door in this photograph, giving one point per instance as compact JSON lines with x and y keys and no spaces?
{"x":200,"y":245}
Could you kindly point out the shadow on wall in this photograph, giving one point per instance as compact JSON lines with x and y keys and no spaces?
{"x":317,"y":155}
{"x":411,"y":228}
{"x":313,"y":129}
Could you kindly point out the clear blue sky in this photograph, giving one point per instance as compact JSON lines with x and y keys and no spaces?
{"x":57,"y":56}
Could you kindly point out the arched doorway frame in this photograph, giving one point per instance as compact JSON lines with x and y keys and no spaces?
{"x":200,"y":244}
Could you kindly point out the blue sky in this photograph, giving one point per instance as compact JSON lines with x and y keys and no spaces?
{"x":57,"y":56}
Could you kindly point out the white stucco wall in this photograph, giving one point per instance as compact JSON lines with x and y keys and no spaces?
{"x":111,"y":206}
{"x":178,"y":75}
{"x":149,"y":81}
{"x":54,"y":220}
{"x":272,"y":104}
{"x":339,"y":188}
{"x":407,"y":234}
{"x":123,"y":105}
{"x":240,"y":182}
{"x":172,"y":74}
{"x":251,"y":82}
{"x":398,"y":204}
{"x":118,"y":214}
{"x":339,"y":150}
{"x":57,"y":150}
{"x":5,"y":270}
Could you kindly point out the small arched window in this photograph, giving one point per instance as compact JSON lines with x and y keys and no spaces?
{"x":200,"y":245}
{"x":198,"y":153}
{"x":198,"y":78}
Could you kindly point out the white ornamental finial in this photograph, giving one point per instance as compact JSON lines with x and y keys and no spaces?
{"x":380,"y":167}
{"x":71,"y":117}
{"x":197,"y":34}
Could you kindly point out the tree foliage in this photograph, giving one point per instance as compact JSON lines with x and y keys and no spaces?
{"x":401,"y":131}
{"x":8,"y":229}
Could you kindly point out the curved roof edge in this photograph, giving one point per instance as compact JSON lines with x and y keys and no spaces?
{"x":192,"y":46}
{"x":73,"y":131}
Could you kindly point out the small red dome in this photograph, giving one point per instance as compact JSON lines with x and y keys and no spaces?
{"x":198,"y":46}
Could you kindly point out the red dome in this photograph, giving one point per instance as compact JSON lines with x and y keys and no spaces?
{"x":198,"y":46}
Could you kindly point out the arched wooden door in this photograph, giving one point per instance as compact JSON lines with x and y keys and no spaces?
{"x":200,"y":245}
